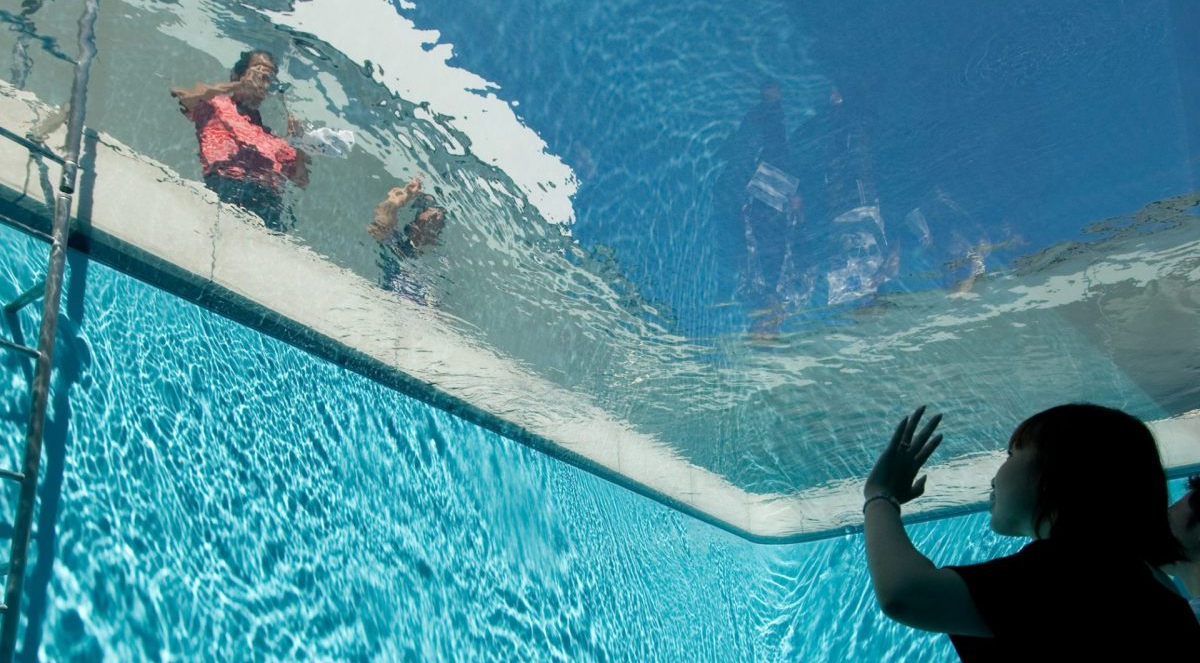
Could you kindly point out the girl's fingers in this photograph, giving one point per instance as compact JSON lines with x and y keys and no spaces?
{"x":919,"y":487}
{"x":912,"y":423}
{"x":927,"y":450}
{"x":928,"y":429}
{"x":897,"y":436}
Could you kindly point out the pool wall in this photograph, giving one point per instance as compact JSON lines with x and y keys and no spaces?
{"x":174,"y":234}
{"x":225,"y":496}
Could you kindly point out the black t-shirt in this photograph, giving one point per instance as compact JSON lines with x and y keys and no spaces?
{"x":1052,"y":602}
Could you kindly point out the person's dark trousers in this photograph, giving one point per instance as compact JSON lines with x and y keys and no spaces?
{"x":254,"y":197}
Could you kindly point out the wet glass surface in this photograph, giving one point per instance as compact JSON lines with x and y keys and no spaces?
{"x":754,"y":234}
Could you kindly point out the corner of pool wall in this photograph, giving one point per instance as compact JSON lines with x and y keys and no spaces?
{"x":176,"y":235}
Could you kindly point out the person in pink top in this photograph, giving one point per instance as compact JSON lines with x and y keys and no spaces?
{"x":242,"y":161}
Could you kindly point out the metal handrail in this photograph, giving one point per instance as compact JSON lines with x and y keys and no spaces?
{"x":23,"y":524}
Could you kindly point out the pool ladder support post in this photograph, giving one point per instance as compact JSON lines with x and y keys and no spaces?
{"x":27,"y":477}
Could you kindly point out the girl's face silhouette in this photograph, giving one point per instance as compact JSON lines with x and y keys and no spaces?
{"x":1185,"y":523}
{"x":1014,"y":493}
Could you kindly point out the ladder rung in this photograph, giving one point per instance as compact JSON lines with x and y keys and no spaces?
{"x":16,"y":347}
{"x":3,"y":607}
{"x":9,"y":474}
{"x":26,"y":298}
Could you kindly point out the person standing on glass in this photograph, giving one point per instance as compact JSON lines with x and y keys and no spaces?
{"x":1087,"y":485}
{"x":399,"y":247}
{"x":243,"y":162}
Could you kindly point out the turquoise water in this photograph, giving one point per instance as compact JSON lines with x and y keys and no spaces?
{"x":213,"y":494}
{"x":594,"y":235}
{"x":226,"y":497}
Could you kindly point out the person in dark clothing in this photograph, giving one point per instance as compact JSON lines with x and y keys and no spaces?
{"x":1184,"y":515}
{"x":398,"y":247}
{"x":242,"y":161}
{"x":760,"y":137}
{"x":860,"y":257}
{"x":1087,"y":485}
{"x":757,"y":196}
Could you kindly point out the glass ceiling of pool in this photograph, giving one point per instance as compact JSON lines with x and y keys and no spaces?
{"x":756,"y":232}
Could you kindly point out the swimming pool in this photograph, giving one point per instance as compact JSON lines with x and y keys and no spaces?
{"x":215,"y":505}
{"x":225,"y":496}
{"x":597,"y":242}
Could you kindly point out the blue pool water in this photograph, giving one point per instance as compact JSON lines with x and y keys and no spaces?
{"x":598,"y":201}
{"x":225,"y":497}
{"x":1014,"y":123}
{"x":213,"y":494}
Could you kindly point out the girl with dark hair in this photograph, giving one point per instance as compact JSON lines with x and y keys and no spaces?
{"x":1087,"y":485}
{"x":399,"y":248}
{"x":1184,"y":515}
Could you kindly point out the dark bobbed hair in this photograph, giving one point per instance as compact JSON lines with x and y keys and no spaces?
{"x":243,"y":63}
{"x":1100,"y":481}
{"x":424,"y":202}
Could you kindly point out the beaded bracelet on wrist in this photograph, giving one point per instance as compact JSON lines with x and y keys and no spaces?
{"x":881,"y":496}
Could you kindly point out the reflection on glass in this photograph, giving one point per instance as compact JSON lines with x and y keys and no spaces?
{"x":242,"y":161}
{"x":400,"y":246}
{"x":802,"y":213}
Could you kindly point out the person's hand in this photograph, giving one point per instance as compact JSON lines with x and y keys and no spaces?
{"x":897,"y":467}
{"x":259,"y":77}
{"x":246,"y":85}
{"x":253,"y":87}
{"x":399,"y":196}
{"x":396,"y":197}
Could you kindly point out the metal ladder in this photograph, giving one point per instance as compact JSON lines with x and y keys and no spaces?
{"x":50,"y":290}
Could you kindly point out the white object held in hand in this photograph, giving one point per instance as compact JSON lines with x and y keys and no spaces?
{"x":326,"y":142}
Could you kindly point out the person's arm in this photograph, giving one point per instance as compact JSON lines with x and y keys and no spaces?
{"x":385,"y":221}
{"x":909,"y":588}
{"x":190,"y":98}
{"x":299,"y":170}
{"x":299,"y":173}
